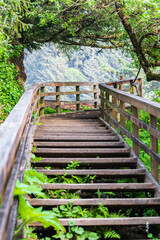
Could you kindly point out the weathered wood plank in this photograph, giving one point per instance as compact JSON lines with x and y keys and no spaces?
{"x":79,"y":144}
{"x":128,"y":173}
{"x":135,"y":221}
{"x":67,"y":93}
{"x":105,"y":162}
{"x":49,"y":133}
{"x":82,"y":114}
{"x":122,"y":81}
{"x":125,"y":202}
{"x":68,"y":84}
{"x":81,"y":152}
{"x":120,"y":187}
{"x":76,"y":138}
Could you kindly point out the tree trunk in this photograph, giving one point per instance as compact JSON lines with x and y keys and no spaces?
{"x":19,"y":65}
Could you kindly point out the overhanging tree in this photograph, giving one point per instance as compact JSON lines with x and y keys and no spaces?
{"x":130,"y":25}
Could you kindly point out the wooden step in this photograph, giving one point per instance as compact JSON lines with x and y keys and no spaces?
{"x":128,"y":221}
{"x":72,"y":129}
{"x":82,"y":152}
{"x":116,"y":173}
{"x":74,"y":138}
{"x":115,"y":203}
{"x":51,"y":133}
{"x":79,"y":144}
{"x":76,"y":124}
{"x":119,"y":187}
{"x":59,"y":133}
{"x":94,"y":162}
{"x":110,"y":202}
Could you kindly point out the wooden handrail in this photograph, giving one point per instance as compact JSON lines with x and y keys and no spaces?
{"x":119,"y":85}
{"x":123,"y":81}
{"x":117,"y":106}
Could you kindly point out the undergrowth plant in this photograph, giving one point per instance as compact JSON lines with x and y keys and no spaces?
{"x":49,"y":110}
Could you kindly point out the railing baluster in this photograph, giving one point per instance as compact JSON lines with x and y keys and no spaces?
{"x":154,"y":146}
{"x":58,"y":99}
{"x":77,"y":99}
{"x":38,"y":102}
{"x":95,"y":95}
{"x":114,"y":101}
{"x":122,"y":118}
{"x":42,"y":102}
{"x":107,"y":107}
{"x":135,"y":130}
{"x":102,"y":102}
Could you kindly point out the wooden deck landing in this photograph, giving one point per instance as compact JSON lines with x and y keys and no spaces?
{"x":102,"y":152}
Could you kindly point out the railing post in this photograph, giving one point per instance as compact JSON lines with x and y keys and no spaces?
{"x":135,"y":130}
{"x":154,"y":146}
{"x":42,"y":101}
{"x":95,"y":95}
{"x":114,"y":101}
{"x":77,"y":99}
{"x":122,"y":118}
{"x":121,"y":84}
{"x":58,"y":99}
{"x":140,"y":87}
{"x":38,"y":102}
{"x":107,"y":107}
{"x":102,"y":103}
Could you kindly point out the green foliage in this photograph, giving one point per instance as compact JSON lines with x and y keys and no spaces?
{"x":35,"y":159}
{"x":10,"y":26}
{"x":73,"y":165}
{"x":22,"y":188}
{"x":79,"y":233}
{"x":29,"y":214}
{"x":10,"y":89}
{"x":49,"y":110}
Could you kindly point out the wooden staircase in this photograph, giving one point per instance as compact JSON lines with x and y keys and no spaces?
{"x":100,"y":151}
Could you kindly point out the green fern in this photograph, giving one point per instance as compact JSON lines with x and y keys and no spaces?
{"x":109,"y":233}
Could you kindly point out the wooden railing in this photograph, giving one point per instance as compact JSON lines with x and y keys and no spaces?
{"x":58,"y":93}
{"x":113,"y":103}
{"x":135,"y":85}
{"x":14,"y":137}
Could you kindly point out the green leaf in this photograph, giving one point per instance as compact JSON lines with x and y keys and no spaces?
{"x":93,"y":236}
{"x":69,"y":235}
{"x":21,"y":188}
{"x":71,"y":223}
{"x":30,"y":214}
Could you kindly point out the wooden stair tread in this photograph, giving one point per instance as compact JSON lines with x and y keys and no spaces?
{"x":99,"y":172}
{"x":95,"y":162}
{"x":79,"y":144}
{"x":48,"y":133}
{"x":72,"y":129}
{"x":128,"y":221}
{"x":84,"y":150}
{"x":102,"y":186}
{"x":95,"y":202}
{"x":76,"y":138}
